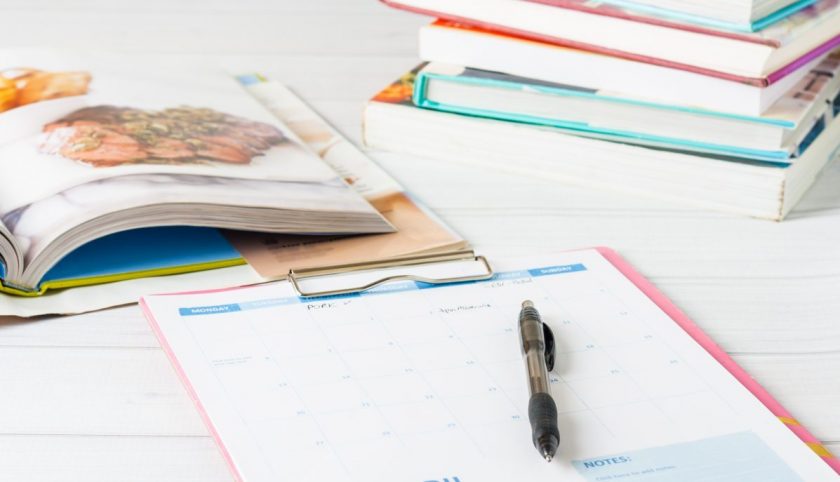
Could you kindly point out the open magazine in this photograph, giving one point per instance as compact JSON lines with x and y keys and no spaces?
{"x":96,"y":156}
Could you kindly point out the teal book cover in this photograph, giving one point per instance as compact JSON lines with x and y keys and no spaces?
{"x":794,"y":111}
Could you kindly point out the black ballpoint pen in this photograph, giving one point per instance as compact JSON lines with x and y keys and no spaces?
{"x":538,"y":350}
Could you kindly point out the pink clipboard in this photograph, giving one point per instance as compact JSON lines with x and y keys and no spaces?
{"x":634,"y":277}
{"x":185,"y":380}
{"x":721,"y":356}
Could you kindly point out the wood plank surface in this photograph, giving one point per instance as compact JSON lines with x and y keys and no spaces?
{"x":94,"y":398}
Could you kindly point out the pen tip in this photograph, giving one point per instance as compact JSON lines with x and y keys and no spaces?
{"x":547,"y":454}
{"x":527,"y":304}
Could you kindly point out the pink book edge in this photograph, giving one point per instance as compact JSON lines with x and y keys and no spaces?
{"x":626,"y":269}
{"x":819,"y":51}
{"x":718,"y":354}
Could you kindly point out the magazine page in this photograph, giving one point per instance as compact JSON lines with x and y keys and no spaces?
{"x":366,"y":177}
{"x":75,"y":120}
{"x":418,"y":230}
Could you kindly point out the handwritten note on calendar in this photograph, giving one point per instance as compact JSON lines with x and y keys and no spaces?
{"x":423,"y":383}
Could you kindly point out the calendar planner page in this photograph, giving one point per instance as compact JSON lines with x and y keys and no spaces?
{"x":426,"y":383}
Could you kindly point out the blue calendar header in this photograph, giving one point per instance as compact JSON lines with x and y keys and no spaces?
{"x":378,"y":290}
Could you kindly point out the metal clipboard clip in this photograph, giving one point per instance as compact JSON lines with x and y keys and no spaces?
{"x":297,"y":275}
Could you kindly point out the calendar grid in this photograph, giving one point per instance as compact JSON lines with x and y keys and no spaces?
{"x":229,"y":399}
{"x":440,"y":372}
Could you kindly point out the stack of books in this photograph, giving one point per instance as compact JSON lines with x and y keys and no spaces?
{"x":730,"y":105}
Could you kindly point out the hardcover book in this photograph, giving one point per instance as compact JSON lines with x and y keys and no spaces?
{"x":462,"y":44}
{"x":777,"y":136}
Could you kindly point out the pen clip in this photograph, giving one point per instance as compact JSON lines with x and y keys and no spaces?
{"x":550,"y":349}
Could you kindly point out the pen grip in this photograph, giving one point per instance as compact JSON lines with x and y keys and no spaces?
{"x":542,"y":412}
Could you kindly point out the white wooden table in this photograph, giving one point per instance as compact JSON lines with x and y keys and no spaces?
{"x":98,"y":401}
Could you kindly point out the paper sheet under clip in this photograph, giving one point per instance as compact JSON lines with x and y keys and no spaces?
{"x":414,"y":268}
